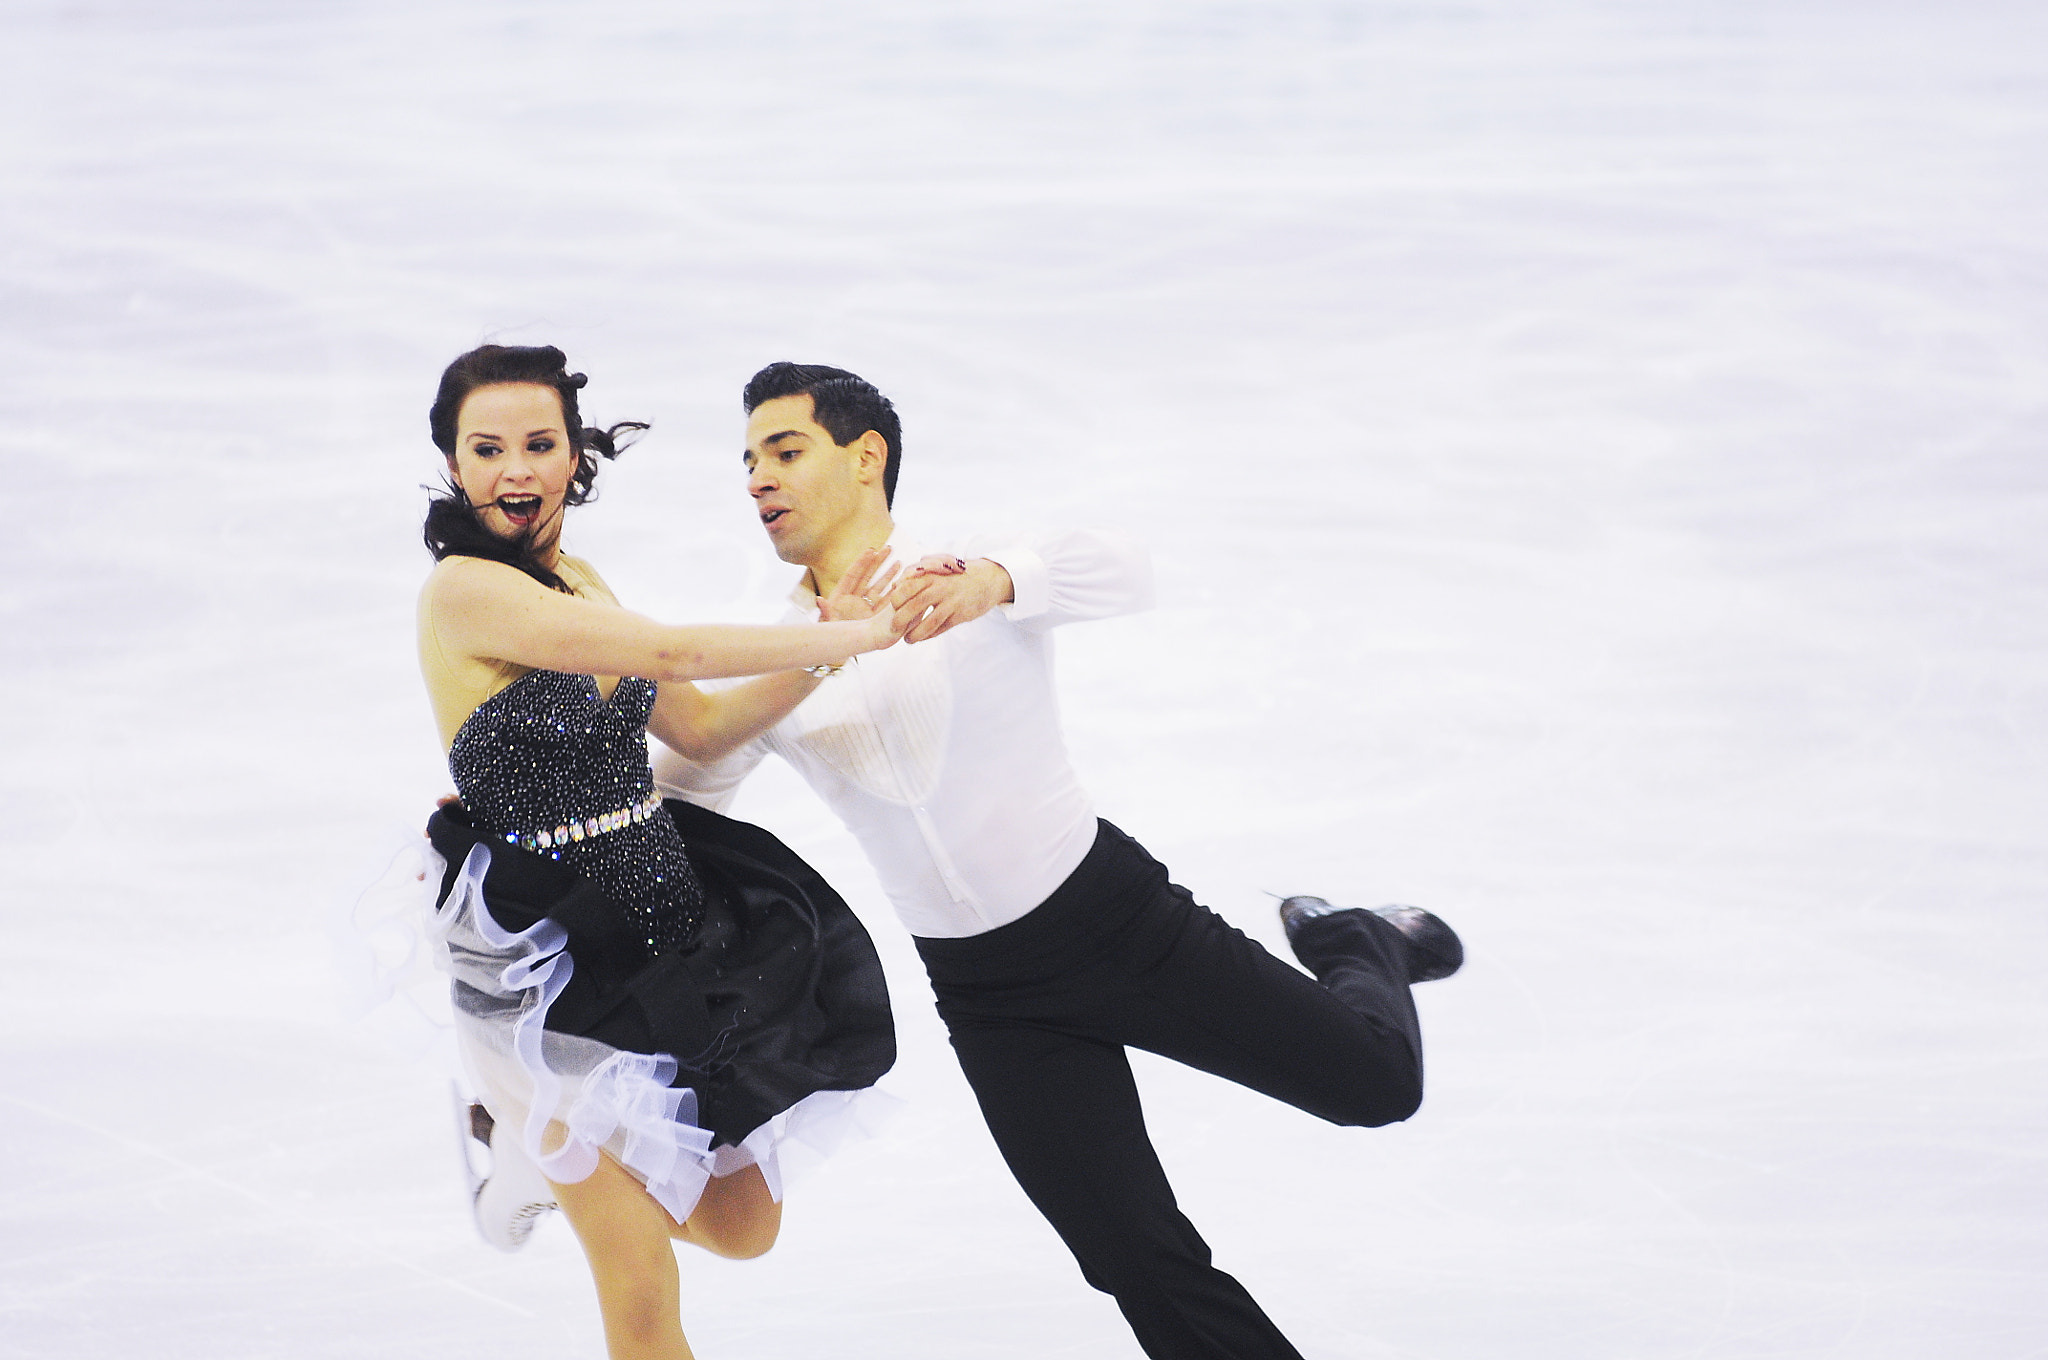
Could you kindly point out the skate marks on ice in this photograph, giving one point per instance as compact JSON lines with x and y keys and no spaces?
{"x":1592,"y":463}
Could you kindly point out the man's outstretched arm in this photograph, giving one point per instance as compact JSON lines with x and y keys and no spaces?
{"x":1040,"y":583}
{"x":943,"y":593}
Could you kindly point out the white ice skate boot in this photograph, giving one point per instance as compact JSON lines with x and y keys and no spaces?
{"x":510,"y":1197}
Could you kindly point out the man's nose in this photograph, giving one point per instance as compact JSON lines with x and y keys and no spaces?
{"x":759,"y":480}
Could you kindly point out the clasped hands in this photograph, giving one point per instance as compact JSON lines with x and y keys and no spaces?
{"x":940,"y":592}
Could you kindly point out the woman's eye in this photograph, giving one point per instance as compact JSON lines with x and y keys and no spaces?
{"x":540,"y":446}
{"x":486,"y":450}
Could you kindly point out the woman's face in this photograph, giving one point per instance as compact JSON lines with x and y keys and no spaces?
{"x":514,"y":460}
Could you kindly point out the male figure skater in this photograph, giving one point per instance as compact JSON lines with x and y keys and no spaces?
{"x":1052,"y":939}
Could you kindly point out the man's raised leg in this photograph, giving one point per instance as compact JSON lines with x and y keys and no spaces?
{"x":1344,"y":1045}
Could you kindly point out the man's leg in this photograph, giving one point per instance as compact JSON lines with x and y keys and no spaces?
{"x":1065,"y":1114}
{"x":1345,"y":1045}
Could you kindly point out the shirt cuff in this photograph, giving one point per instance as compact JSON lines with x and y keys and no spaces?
{"x":1030,"y":582}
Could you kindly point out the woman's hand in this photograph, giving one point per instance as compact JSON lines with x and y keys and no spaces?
{"x":859,"y":593}
{"x":886,"y":627}
{"x":862,"y":597}
{"x":939,"y":564}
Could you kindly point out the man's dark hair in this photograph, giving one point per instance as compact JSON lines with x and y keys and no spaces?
{"x":845,"y":404}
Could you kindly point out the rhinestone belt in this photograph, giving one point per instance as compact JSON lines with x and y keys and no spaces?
{"x":547,"y":842}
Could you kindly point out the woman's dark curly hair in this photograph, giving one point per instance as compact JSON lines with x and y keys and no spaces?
{"x":452,"y":527}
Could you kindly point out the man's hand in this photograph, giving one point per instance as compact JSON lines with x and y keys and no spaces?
{"x":947,"y":593}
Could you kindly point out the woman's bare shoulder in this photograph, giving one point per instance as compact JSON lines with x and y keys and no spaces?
{"x":583,"y":578}
{"x":458,"y":579}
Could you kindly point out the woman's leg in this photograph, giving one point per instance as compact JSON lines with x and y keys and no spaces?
{"x":735,"y":1218}
{"x":626,"y":1238}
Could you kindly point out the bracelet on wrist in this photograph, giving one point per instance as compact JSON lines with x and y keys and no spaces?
{"x":825,"y":670}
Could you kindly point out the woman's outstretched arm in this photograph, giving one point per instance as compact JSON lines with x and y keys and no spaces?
{"x":487,"y":609}
{"x":709,"y":727}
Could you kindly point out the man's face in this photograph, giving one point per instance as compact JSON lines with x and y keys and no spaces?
{"x":806,"y":488}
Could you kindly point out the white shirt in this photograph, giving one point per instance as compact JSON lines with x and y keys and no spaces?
{"x":945,"y":758}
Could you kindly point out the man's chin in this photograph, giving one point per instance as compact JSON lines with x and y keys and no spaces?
{"x":791,"y":552}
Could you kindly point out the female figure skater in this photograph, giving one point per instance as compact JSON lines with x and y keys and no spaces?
{"x":648,"y":1007}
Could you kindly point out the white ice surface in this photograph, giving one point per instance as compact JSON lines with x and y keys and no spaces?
{"x":1594,"y":457}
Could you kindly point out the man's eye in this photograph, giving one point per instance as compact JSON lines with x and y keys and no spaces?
{"x":787,"y":455}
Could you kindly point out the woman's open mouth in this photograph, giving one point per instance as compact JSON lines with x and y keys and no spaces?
{"x":521,"y":510}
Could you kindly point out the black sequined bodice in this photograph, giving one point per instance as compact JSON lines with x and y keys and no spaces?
{"x":551,"y":766}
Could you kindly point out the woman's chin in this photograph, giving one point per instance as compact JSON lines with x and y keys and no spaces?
{"x":536,"y":533}
{"x":508,"y":527}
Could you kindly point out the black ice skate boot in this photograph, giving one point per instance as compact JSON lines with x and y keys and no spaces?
{"x":1434,"y":949}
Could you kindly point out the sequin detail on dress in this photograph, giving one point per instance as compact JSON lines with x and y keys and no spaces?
{"x":549,"y":753}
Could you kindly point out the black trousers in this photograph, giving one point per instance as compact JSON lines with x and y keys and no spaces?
{"x":1041,"y":1010}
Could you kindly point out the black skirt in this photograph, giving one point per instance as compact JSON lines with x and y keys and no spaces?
{"x":780,"y":996}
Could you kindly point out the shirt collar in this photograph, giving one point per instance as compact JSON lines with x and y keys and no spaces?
{"x":903,"y":548}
